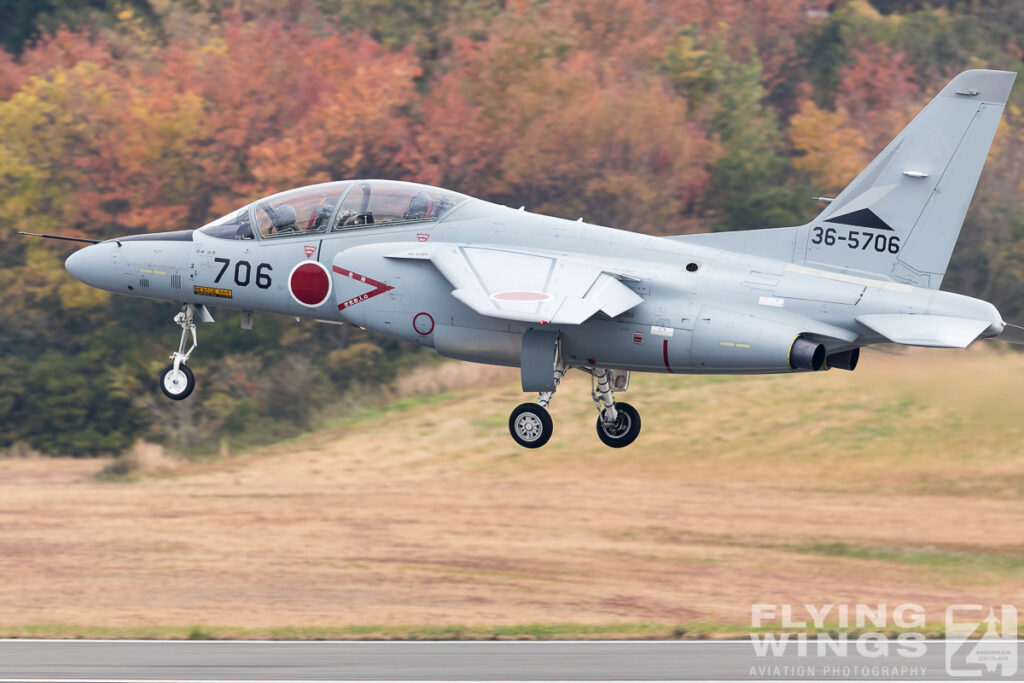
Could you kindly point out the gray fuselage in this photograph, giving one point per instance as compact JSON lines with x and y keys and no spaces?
{"x":703,"y":310}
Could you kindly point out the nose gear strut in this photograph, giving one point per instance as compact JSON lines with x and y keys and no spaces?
{"x":177,"y":380}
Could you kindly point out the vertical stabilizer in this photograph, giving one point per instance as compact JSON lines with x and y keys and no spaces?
{"x":900,"y":218}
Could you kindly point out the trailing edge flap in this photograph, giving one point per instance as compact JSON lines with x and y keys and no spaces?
{"x":1012,"y":333}
{"x":529,"y":286}
{"x":925,"y":330}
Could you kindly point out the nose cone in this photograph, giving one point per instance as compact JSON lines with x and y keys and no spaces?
{"x":78,"y":263}
{"x":141,"y":265}
{"x":98,"y":265}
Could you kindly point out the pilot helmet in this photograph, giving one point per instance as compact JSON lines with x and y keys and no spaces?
{"x":284,"y":215}
{"x":419,"y":205}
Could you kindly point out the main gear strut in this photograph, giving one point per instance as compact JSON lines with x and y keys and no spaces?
{"x":618,"y":423}
{"x":530,"y":423}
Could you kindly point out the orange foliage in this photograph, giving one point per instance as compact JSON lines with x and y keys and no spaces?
{"x":876,"y":98}
{"x":630,"y":34}
{"x":64,"y":49}
{"x":285,"y":105}
{"x":351,"y":125}
{"x":832,"y":151}
{"x":878,"y":92}
{"x":562,"y":105}
{"x":192,"y":130}
{"x":11,"y":75}
{"x":516,"y":119}
{"x":767,"y":29}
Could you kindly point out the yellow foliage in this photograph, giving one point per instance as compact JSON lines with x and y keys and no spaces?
{"x":43,"y":282}
{"x":833,"y":152}
{"x":296,"y":334}
{"x":219,"y":405}
{"x":865,"y":8}
{"x":356,"y":360}
{"x":74,"y":295}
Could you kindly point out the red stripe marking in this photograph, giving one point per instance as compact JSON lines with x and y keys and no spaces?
{"x":664,"y":353}
{"x":378,"y":288}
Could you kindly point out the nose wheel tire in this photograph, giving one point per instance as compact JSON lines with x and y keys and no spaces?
{"x":530,"y":425}
{"x":177,"y":384}
{"x":624,"y":430}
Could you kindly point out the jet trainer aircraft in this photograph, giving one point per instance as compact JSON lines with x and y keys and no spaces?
{"x":485,"y":283}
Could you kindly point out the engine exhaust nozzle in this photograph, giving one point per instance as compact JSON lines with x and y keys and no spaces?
{"x":844,"y":360}
{"x":806,"y":355}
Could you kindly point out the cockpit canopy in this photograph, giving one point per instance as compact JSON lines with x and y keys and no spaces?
{"x":335,"y":207}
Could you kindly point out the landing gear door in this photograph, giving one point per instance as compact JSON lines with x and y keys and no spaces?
{"x":539,"y":355}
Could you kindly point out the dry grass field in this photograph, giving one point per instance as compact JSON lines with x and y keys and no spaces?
{"x":900,"y":482}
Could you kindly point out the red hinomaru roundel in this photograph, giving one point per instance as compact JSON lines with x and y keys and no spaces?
{"x":310,"y":283}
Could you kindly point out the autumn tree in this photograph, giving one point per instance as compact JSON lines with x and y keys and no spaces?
{"x":166,"y":136}
{"x":728,"y":98}
{"x":524,"y":118}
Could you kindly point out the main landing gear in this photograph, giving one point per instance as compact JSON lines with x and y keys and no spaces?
{"x":530,"y":423}
{"x":177,"y":380}
{"x":618,"y":423}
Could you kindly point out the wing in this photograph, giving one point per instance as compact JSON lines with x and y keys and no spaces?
{"x":529,"y":286}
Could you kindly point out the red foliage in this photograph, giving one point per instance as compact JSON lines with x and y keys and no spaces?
{"x":11,"y":75}
{"x":563,"y":105}
{"x":520,"y":118}
{"x":878,"y":92}
{"x":767,"y":29}
{"x":64,"y":49}
{"x":174,"y":136}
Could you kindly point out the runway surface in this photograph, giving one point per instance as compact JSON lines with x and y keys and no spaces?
{"x":95,"y":660}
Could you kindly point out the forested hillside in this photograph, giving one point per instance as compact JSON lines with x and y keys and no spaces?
{"x":662,"y":116}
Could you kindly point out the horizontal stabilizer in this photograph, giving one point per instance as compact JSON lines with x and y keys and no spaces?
{"x":925,"y":330}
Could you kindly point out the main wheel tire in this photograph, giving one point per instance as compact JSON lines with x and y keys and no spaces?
{"x":530,"y":425}
{"x":177,"y":385}
{"x":624,"y":430}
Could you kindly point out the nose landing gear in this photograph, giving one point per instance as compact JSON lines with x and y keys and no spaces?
{"x":177,"y":380}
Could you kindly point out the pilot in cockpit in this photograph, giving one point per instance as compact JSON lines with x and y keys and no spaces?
{"x":419,"y":207}
{"x":283,"y":220}
{"x":244,"y":229}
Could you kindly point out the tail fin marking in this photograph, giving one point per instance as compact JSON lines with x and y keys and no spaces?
{"x":900,"y":218}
